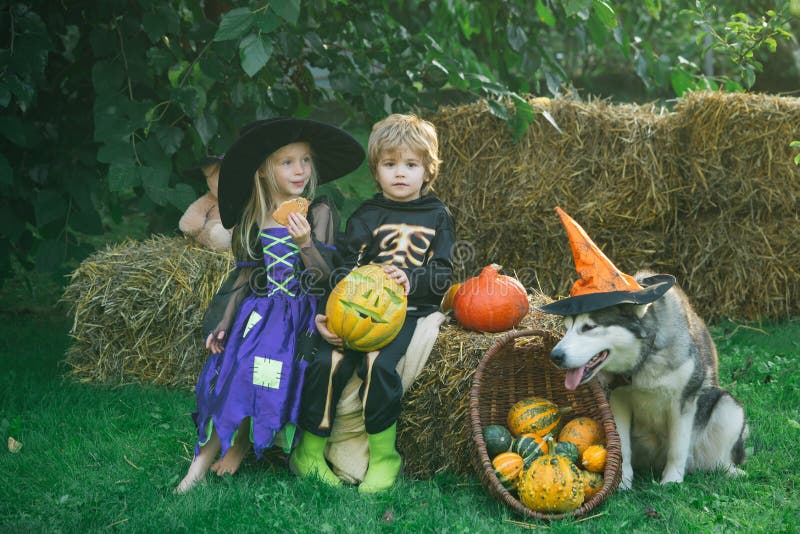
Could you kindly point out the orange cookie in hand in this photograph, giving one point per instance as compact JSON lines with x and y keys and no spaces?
{"x":295,"y":205}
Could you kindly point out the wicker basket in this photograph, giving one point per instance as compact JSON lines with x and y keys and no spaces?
{"x":518,"y":366}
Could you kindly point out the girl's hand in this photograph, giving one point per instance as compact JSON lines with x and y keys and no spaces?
{"x":299,"y":229}
{"x":398,"y":275}
{"x":322,"y":327}
{"x":215,"y":342}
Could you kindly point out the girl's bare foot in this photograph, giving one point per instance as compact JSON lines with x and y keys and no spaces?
{"x":229,"y":464}
{"x":199,"y":465}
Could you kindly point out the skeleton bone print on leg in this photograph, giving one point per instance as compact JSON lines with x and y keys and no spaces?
{"x":404,"y":244}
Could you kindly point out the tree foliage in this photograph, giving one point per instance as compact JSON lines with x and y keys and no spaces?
{"x":107,"y":103}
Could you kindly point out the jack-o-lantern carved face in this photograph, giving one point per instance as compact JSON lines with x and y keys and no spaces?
{"x":366,"y":309}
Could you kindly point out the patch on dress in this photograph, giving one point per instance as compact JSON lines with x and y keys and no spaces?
{"x":251,"y":322}
{"x":267,"y":372}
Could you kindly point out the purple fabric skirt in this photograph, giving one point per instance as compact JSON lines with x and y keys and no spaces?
{"x":258,"y":374}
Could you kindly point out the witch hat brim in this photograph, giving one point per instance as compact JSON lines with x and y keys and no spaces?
{"x":653,"y":288}
{"x":335,"y":153}
{"x":600,"y":284}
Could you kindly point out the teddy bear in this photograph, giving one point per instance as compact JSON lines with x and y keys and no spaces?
{"x":202,"y":221}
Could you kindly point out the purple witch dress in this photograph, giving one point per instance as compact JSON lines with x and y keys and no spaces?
{"x":259,"y":375}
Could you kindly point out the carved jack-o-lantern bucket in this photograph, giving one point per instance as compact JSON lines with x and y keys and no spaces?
{"x":366,"y":309}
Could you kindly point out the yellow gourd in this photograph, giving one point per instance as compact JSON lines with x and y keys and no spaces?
{"x":551,"y":484}
{"x":594,"y":458}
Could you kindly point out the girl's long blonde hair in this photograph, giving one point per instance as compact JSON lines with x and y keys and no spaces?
{"x":262,"y":204}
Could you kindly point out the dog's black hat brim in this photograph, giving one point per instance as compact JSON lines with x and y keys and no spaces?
{"x":653,"y":288}
{"x":335,"y":153}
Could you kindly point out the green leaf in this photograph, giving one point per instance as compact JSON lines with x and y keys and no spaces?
{"x":524,"y":115}
{"x":749,"y":77}
{"x":206,"y":126}
{"x":266,"y":21}
{"x":234,"y":24}
{"x":605,"y":13}
{"x":108,"y":76}
{"x":170,"y":138}
{"x":12,"y":129}
{"x":574,"y":7}
{"x":681,"y":81}
{"x":49,"y":206}
{"x":6,"y":172}
{"x":545,"y":15}
{"x":254,"y":52}
{"x":122,"y":178}
{"x":114,"y":151}
{"x":175,"y":73}
{"x":191,"y":99}
{"x":597,"y":30}
{"x":181,"y":196}
{"x":86,"y":220}
{"x":516,"y":37}
{"x":154,"y":25}
{"x":288,"y":10}
{"x":156,"y":184}
{"x":498,"y":109}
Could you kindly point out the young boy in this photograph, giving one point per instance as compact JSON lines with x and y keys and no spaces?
{"x":410,"y":232}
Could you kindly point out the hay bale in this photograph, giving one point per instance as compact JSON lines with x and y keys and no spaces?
{"x":433,"y":430}
{"x":643,"y":181}
{"x":138,"y":307}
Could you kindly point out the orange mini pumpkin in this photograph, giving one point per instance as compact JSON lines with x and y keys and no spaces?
{"x":490,"y":302}
{"x":594,"y":458}
{"x":583,"y":432}
{"x":366,"y":309}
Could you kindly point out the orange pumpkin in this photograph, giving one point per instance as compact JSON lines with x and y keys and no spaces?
{"x":366,"y":309}
{"x":582,"y":432}
{"x":490,"y":302}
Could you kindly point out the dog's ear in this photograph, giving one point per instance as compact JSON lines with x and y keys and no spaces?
{"x":640,"y":309}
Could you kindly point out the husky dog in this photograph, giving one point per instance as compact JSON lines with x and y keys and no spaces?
{"x":671,"y":413}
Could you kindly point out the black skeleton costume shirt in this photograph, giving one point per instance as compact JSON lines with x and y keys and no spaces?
{"x":416,"y":236}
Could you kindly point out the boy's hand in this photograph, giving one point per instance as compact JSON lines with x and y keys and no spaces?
{"x":398,"y":275}
{"x":322,"y":327}
{"x":299,"y":229}
{"x":215,"y":342}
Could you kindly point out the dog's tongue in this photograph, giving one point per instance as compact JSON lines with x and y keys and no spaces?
{"x":574,"y":377}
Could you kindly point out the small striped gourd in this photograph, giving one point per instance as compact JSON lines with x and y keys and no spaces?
{"x":534,"y":415}
{"x":530,"y":447}
{"x":507,"y":467}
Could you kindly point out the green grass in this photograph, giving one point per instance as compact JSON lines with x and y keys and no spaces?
{"x":99,"y":458}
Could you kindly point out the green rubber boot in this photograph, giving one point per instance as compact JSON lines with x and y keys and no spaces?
{"x":308,"y":460}
{"x":384,"y":462}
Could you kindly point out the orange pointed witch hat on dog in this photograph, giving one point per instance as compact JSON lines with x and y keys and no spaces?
{"x":600,"y":283}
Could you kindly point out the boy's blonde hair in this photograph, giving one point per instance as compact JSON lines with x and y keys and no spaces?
{"x":417,"y":134}
{"x":262,"y":204}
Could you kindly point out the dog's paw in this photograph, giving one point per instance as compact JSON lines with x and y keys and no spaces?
{"x":627,"y":478}
{"x":733,"y":471}
{"x":672,"y":476}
